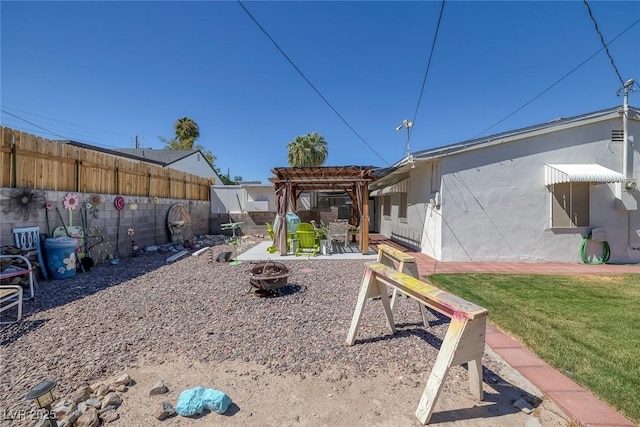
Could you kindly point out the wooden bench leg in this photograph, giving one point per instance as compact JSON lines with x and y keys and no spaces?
{"x":412,"y":270}
{"x":423,"y":310}
{"x":440,"y":370}
{"x":463,"y":343}
{"x":370,"y":288}
{"x":386,"y":304}
{"x":475,"y":378}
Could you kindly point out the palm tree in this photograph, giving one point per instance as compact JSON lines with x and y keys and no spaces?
{"x":186,"y":133}
{"x":307,"y":150}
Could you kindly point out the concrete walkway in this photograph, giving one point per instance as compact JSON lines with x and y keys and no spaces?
{"x":576,"y":402}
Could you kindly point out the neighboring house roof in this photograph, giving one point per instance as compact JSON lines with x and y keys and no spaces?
{"x":164,"y":156}
{"x":167,"y":157}
{"x":402,"y":166}
{"x":109,"y":151}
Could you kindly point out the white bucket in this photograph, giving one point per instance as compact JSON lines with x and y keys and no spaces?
{"x":324,"y":247}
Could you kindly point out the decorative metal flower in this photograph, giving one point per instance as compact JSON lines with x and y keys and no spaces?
{"x":96,"y":199}
{"x":130,"y":231}
{"x":25,"y":202}
{"x":71,"y":202}
{"x":87,"y":206}
{"x":48,"y":206}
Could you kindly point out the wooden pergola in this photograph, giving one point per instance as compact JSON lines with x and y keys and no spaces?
{"x":290,"y":183}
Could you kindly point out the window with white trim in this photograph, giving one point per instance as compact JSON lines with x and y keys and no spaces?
{"x":570,"y":205}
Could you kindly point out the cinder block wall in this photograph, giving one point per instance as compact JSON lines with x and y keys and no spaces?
{"x":149,"y":221}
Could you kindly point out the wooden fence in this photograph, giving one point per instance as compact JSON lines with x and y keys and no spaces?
{"x":28,"y":161}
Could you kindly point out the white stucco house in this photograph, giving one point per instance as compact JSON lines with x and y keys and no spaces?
{"x":528,"y":195}
{"x":190,"y":161}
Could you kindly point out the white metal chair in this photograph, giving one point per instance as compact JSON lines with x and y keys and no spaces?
{"x":13,"y":295}
{"x":339,"y":231}
{"x":16,"y":272}
{"x":28,"y":240}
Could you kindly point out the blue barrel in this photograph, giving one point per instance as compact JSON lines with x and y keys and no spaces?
{"x":61,"y":256}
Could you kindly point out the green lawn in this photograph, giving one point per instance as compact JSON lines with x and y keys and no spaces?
{"x":588,"y":327}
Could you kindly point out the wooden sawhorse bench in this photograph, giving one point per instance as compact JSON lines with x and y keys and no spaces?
{"x":463,"y":342}
{"x":391,"y":256}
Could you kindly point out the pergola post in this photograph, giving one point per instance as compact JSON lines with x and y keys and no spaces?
{"x":364,"y":223}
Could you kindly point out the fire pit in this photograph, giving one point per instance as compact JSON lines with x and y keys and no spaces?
{"x":268,"y":277}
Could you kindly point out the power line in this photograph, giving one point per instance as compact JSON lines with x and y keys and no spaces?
{"x":309,"y":82}
{"x":67,"y":125}
{"x":32,"y":124}
{"x":606,"y":48}
{"x":88,"y":137}
{"x":558,"y":81}
{"x":426,"y":73}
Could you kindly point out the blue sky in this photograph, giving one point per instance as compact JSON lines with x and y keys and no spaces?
{"x":103,"y":72}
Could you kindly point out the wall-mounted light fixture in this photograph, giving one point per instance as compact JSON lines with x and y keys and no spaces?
{"x":630,"y":184}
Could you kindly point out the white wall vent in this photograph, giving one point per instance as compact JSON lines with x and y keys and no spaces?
{"x":617,"y":135}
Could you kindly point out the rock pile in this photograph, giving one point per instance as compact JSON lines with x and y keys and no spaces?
{"x":93,"y":405}
{"x":97,"y":404}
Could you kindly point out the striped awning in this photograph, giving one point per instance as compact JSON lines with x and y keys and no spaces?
{"x":398,"y":187}
{"x":581,"y":172}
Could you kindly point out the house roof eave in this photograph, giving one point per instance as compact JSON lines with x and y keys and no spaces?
{"x":527,"y":132}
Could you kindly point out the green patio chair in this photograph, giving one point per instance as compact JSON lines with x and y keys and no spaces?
{"x":305,"y":226}
{"x":272,"y":249}
{"x":307,"y":243}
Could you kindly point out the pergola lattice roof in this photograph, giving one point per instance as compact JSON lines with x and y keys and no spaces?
{"x":323,"y":178}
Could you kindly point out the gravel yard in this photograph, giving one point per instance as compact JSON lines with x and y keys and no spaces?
{"x":144,"y":312}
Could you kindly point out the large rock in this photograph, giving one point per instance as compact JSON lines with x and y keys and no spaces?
{"x":111,"y":399}
{"x":81,"y":394}
{"x":72,"y":417}
{"x":159,"y":388}
{"x":63,"y":408}
{"x":110,"y":417}
{"x":164,"y":411}
{"x":88,"y":419}
{"x":94,"y":386}
{"x":93,"y":402}
{"x":123,"y":379}
{"x":101,"y":390}
{"x":196,"y":400}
